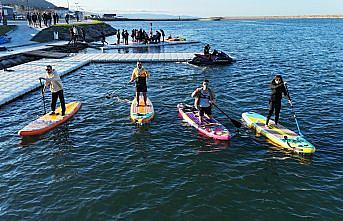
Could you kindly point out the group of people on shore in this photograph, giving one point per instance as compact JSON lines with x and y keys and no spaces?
{"x":46,"y":19}
{"x":38,"y":19}
{"x":76,"y":34}
{"x":140,"y":36}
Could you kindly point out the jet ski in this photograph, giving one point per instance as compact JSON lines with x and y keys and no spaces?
{"x":216,"y":58}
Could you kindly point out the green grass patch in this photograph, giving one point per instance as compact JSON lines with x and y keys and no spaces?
{"x":6,"y":28}
{"x":93,"y":22}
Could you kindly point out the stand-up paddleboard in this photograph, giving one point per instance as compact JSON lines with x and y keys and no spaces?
{"x":210,"y":127}
{"x":142,"y":114}
{"x":48,"y":122}
{"x":278,"y":134}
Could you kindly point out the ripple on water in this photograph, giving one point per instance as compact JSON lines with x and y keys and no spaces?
{"x":99,"y":166}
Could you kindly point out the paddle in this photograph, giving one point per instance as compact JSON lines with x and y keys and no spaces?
{"x":110,"y":95}
{"x":43,"y":97}
{"x":295,"y":117}
{"x":236,"y":123}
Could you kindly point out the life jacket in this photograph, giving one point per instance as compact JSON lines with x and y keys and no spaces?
{"x":198,"y":97}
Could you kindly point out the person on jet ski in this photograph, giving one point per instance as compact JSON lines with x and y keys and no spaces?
{"x":207,"y":50}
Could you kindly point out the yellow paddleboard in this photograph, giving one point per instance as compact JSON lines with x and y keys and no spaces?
{"x":278,"y":134}
{"x":142,"y":114}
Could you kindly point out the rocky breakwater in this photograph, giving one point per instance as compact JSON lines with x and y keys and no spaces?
{"x":92,"y":29}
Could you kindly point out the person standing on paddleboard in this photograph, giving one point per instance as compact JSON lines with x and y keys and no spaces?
{"x":204,"y":97}
{"x":53,"y":80}
{"x":278,"y":88}
{"x":140,"y":75}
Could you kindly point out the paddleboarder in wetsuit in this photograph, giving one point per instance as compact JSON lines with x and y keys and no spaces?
{"x":204,"y":98}
{"x":53,"y":80}
{"x":140,"y":75}
{"x":278,"y":88}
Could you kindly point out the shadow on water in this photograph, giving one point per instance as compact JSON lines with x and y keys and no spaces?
{"x":102,"y":166}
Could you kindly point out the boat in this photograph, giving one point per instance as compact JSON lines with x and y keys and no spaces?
{"x":216,"y":58}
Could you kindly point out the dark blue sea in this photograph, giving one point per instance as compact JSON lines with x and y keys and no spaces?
{"x":100,"y":166}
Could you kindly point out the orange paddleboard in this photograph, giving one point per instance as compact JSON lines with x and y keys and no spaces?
{"x":49,"y":122}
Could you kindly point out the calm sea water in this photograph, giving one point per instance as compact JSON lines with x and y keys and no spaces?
{"x":100,"y":166}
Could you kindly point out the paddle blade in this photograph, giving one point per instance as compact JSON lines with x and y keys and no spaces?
{"x":236,"y":123}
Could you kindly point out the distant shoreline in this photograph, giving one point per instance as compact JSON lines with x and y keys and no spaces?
{"x":227,"y":18}
{"x":143,"y":19}
{"x":269,"y":17}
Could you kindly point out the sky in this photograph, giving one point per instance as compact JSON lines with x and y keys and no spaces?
{"x":208,"y":8}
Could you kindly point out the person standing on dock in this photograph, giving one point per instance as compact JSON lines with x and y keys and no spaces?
{"x":163,"y":35}
{"x":123,"y":36}
{"x":140,"y":75}
{"x":103,"y":38}
{"x":34,"y":20}
{"x":126,"y":37}
{"x":278,"y":88}
{"x":83,"y":34}
{"x":44,"y":19}
{"x":133,"y":35}
{"x":150,"y":32}
{"x":40,"y":20}
{"x":49,"y":19}
{"x":158,"y":36}
{"x":71,"y":35}
{"x":29,"y":18}
{"x":118,"y":37}
{"x":204,"y":97}
{"x":76,"y":34}
{"x":54,"y":17}
{"x":53,"y":80}
{"x":67,"y":18}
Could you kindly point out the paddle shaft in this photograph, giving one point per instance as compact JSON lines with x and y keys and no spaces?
{"x":43,"y":96}
{"x":109,"y":95}
{"x":234,"y":122}
{"x":294,"y":115}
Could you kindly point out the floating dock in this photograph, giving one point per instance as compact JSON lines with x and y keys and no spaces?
{"x":139,"y":45}
{"x":23,"y":78}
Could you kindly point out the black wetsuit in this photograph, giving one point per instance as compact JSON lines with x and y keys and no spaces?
{"x":275,"y":100}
